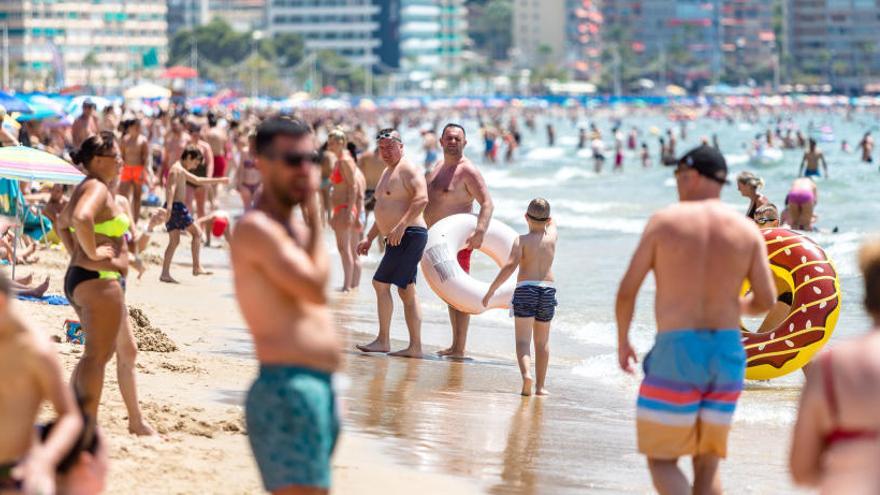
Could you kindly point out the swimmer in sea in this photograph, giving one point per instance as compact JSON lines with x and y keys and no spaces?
{"x":749,"y":186}
{"x":813,"y":157}
{"x":867,"y":147}
{"x":801,"y":201}
{"x":534,"y":300}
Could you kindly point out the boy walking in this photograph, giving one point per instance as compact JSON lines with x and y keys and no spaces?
{"x":534,"y":301}
{"x":179,"y":217}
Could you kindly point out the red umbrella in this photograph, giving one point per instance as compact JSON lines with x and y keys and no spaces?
{"x":180,"y":72}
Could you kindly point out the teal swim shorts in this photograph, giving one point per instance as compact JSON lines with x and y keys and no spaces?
{"x":292,"y":426}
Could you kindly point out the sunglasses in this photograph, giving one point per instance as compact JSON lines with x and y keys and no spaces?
{"x":387,"y":135}
{"x":294,"y":160}
{"x":536,"y":218}
{"x":762,"y":221}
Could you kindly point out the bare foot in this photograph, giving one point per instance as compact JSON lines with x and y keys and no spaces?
{"x":454,"y":354}
{"x":42,"y":288}
{"x":409,"y":352}
{"x":445,"y":352}
{"x":140,"y":429}
{"x":201,"y":271}
{"x":344,"y":290}
{"x":374,"y":346}
{"x":26,"y":280}
{"x":542,"y":391}
{"x":527,"y":386}
{"x":168,"y":279}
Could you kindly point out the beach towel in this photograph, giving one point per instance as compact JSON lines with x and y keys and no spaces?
{"x":51,"y":300}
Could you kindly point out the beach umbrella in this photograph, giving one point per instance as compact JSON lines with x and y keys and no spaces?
{"x":30,"y":164}
{"x":13,"y":104}
{"x":74,"y":107}
{"x":146,"y":91}
{"x":180,"y":72}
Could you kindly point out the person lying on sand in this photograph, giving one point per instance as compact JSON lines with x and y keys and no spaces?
{"x":534,"y":301}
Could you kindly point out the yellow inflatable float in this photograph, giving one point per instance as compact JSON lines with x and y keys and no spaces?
{"x":802,"y":267}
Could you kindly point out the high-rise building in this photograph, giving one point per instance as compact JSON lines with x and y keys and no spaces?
{"x":346,"y":27}
{"x":692,"y":39}
{"x":835,"y":40}
{"x":242,"y":15}
{"x":423,"y":38}
{"x":562,"y":33}
{"x":100,"y":43}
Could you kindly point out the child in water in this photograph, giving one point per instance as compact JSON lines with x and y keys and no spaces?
{"x":534,"y":301}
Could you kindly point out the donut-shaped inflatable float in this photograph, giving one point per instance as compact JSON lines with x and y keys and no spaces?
{"x":446,"y":277}
{"x":809,"y":275}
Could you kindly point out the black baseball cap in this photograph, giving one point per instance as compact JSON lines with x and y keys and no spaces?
{"x":707,"y":161}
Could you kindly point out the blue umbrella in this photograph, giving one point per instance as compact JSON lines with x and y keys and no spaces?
{"x":13,"y":104}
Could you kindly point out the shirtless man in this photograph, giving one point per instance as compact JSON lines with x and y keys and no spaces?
{"x":32,"y":374}
{"x":867,"y":147}
{"x":281,"y":272}
{"x":200,"y":193}
{"x":135,"y":156}
{"x":400,"y":200}
{"x":812,"y":158}
{"x":453,"y":186}
{"x":175,"y":141}
{"x":85,"y":125}
{"x":699,"y":266}
{"x":217,"y":139}
{"x":372,"y":166}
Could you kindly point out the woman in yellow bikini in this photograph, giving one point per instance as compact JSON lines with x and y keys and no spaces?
{"x":93,"y":226}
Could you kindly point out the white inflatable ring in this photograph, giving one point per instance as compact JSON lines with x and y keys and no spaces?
{"x":443,"y":273}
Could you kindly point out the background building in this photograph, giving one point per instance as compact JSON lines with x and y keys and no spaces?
{"x":97,"y":43}
{"x":423,"y":38}
{"x":348,"y":28}
{"x":834,"y":41}
{"x":692,"y":40}
{"x":242,"y":15}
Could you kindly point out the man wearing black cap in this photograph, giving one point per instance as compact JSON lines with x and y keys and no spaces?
{"x":700,"y":252}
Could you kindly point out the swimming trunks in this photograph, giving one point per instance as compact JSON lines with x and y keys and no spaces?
{"x":430,"y":158}
{"x":132,"y":173}
{"x":812,"y":173}
{"x":800,"y":197}
{"x":464,"y":259}
{"x":693,"y":379}
{"x":292,"y":426}
{"x":534,"y":299}
{"x":370,"y":199}
{"x":400,"y":265}
{"x":219,"y":166}
{"x":180,"y":218}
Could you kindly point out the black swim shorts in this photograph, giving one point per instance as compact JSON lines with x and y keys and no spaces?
{"x":400,"y":265}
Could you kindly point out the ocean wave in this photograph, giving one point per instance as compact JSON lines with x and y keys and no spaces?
{"x":545,"y":153}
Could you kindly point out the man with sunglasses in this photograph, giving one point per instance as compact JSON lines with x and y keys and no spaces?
{"x":695,"y":372}
{"x":85,"y":125}
{"x":453,"y":187}
{"x":281,"y":272}
{"x":401,"y":197}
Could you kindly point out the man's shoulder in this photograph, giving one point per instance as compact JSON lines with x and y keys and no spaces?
{"x":252,"y":226}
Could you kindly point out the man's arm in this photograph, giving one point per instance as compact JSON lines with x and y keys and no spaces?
{"x":476,"y":186}
{"x":642,"y":262}
{"x":801,"y":166}
{"x":289,"y":267}
{"x":763,"y":294}
{"x":824,"y":164}
{"x":414,"y":182}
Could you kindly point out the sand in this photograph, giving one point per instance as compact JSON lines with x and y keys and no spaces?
{"x":194,"y":367}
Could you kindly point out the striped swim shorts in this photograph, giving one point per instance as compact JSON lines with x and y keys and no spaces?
{"x":534,"y":300}
{"x":693,"y":379}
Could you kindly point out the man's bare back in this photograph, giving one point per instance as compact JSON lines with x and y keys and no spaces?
{"x":216,"y":138}
{"x":394,"y":197}
{"x":83,"y":127}
{"x":372,"y":167}
{"x":701,"y":252}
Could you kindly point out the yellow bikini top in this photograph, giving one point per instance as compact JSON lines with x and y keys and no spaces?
{"x":115,"y":227}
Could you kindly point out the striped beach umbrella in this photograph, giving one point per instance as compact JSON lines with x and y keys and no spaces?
{"x":23,"y":163}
